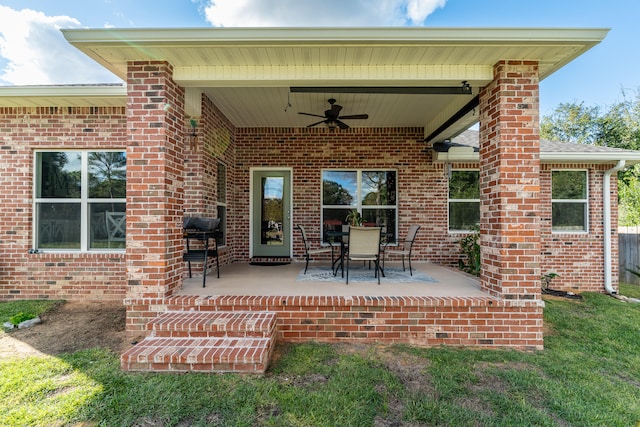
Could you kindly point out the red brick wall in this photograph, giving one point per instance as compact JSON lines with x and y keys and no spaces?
{"x":422,"y":185}
{"x":509,"y":182}
{"x":578,"y":257}
{"x":215,"y":143}
{"x":423,"y":321}
{"x":155,"y":167}
{"x":50,"y":275}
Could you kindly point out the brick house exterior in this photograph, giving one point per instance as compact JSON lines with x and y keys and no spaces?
{"x":171,"y":174}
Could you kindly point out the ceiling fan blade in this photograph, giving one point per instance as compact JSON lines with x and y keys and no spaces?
{"x":315,"y":124}
{"x":356,"y":116}
{"x":313,"y":115}
{"x":342,"y":125}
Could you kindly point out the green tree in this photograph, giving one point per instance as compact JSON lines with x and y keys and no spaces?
{"x":335,"y":194}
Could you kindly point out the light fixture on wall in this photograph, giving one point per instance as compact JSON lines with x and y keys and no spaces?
{"x":193,"y":135}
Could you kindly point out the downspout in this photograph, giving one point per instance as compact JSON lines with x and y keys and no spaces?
{"x":607,"y":225}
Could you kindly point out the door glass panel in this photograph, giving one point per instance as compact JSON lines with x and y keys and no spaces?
{"x":272,"y":211}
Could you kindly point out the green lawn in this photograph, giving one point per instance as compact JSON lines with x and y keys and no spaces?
{"x":588,"y":375}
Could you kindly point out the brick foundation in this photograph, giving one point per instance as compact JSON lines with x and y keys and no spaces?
{"x":423,"y":321}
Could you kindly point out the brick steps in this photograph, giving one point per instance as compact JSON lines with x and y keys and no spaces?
{"x":190,"y":341}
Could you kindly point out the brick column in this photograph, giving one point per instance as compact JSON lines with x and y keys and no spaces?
{"x":155,"y":123}
{"x":509,"y":182}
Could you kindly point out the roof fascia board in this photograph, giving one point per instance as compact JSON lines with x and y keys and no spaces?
{"x":466,"y":156}
{"x":297,"y":36}
{"x":70,"y":91}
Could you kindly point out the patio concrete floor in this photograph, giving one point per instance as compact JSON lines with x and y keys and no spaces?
{"x":280,"y":280}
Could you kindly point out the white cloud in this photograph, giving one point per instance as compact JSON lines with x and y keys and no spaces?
{"x":418,"y":10}
{"x":34,"y":51}
{"x":328,"y":13}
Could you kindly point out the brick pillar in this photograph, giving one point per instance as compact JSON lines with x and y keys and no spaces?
{"x":509,"y":182}
{"x":155,"y":122}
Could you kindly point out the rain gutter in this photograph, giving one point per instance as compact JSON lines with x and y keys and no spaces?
{"x":607,"y":226}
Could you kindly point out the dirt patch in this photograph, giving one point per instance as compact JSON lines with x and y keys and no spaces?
{"x":70,"y":327}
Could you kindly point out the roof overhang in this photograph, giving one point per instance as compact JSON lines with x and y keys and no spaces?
{"x":465,"y":149}
{"x":460,"y":155}
{"x":248,"y":72}
{"x":107,"y":95}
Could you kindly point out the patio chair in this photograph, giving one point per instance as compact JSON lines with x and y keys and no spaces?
{"x":309,"y":251}
{"x":116,"y":224}
{"x":403,"y":249}
{"x":364,"y":245}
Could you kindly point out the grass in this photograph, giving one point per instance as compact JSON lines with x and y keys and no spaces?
{"x":9,"y":310}
{"x":588,"y":375}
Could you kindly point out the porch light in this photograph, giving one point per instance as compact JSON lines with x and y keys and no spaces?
{"x":194,"y":125}
{"x":193,"y":136}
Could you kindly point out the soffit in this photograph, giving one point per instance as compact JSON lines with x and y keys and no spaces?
{"x":248,"y":72}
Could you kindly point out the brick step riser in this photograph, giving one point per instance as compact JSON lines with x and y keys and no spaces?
{"x":205,"y":342}
{"x":213,"y":324}
{"x":195,"y":367}
{"x":212,"y":334}
{"x":174,"y":355}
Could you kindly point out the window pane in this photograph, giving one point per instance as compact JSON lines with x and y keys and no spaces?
{"x":222,"y":183}
{"x":272,"y":211}
{"x":378,"y":188}
{"x":464,"y":184}
{"x":463,"y":215}
{"x":339,"y":188}
{"x":58,"y":225}
{"x":59,"y":175}
{"x":568,"y":216}
{"x":222,"y":214}
{"x":107,"y":175}
{"x":107,"y":225}
{"x":385,"y":218}
{"x":569,"y":184}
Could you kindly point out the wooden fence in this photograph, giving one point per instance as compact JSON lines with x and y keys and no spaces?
{"x":629,"y":254}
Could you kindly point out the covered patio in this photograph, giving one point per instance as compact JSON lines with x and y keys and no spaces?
{"x":281,"y":280}
{"x":218,"y":125}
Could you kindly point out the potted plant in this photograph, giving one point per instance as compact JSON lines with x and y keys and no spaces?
{"x":354,"y":218}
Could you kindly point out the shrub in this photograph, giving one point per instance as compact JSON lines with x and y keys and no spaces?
{"x":21,"y":317}
{"x":469,"y":260}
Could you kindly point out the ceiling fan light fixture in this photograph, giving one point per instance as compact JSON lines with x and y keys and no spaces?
{"x":332,"y":125}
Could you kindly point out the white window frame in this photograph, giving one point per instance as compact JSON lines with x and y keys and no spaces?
{"x":84,"y":201}
{"x":585,"y":201}
{"x":358,"y":196}
{"x":449,"y":200}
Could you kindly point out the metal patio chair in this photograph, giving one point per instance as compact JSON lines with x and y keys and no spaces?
{"x":364,"y":245}
{"x":309,"y":250}
{"x":403,"y":249}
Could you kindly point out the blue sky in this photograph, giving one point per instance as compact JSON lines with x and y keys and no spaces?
{"x":33,"y":51}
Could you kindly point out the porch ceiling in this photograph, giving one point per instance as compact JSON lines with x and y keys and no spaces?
{"x":248,"y":72}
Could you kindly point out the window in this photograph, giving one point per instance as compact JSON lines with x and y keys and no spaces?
{"x":80,"y":200}
{"x":464,"y":199}
{"x":569,"y":203}
{"x":372,"y":193}
{"x":222,"y":203}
